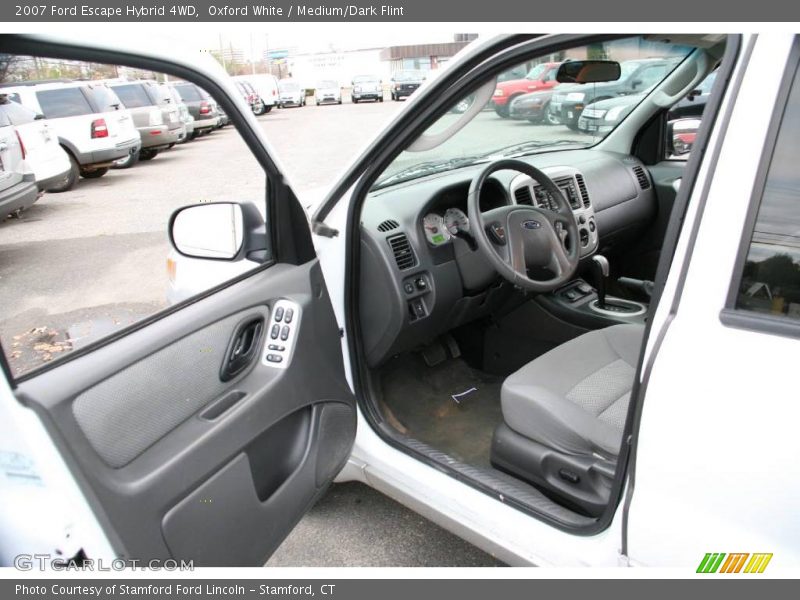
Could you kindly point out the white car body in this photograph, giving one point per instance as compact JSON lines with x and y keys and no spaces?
{"x":265,"y":85}
{"x":715,"y":468}
{"x":328,"y":92}
{"x":290,"y":93}
{"x":44,"y":155}
{"x":75,"y":132}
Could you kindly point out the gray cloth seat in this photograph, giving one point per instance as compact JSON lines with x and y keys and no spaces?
{"x":574,"y":399}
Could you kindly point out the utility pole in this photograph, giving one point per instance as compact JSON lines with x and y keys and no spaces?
{"x":222,"y":53}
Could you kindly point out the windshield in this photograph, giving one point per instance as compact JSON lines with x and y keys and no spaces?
{"x":327,"y":85}
{"x":366,"y":79}
{"x":188,"y":92}
{"x":543,"y":115}
{"x":288,"y":86}
{"x":106,"y":100}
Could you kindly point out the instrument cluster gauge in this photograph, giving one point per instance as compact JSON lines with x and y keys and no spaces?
{"x":435,"y":230}
{"x":456,"y":221}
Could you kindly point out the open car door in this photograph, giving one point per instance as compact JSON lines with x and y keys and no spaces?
{"x":188,"y":437}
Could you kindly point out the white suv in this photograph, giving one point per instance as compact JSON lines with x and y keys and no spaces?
{"x":17,"y":182}
{"x":89,"y":119}
{"x":47,"y":159}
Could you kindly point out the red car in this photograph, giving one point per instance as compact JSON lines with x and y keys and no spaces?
{"x":540,"y":77}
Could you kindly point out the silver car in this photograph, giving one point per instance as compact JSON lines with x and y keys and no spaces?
{"x":158,"y":122}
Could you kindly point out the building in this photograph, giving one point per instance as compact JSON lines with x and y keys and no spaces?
{"x":422,"y":57}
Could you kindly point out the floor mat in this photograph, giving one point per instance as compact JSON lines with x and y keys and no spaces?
{"x":451,"y":406}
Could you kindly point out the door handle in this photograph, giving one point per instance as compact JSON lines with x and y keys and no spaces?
{"x":242,"y":348}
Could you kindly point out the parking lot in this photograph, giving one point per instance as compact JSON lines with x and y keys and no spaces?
{"x":80,"y":264}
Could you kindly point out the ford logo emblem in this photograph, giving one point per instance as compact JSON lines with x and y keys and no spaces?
{"x":531,"y":224}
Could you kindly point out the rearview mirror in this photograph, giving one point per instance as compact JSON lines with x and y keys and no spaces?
{"x":588,"y":71}
{"x":219,"y":231}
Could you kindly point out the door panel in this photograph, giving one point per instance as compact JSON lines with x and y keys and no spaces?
{"x":179,"y":463}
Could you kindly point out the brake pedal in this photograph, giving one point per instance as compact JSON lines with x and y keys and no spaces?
{"x":435,"y":354}
{"x":452,"y":346}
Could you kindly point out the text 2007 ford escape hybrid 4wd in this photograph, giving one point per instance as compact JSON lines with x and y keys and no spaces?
{"x":543,"y":339}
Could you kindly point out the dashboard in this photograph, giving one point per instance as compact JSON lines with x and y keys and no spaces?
{"x":421,"y":272}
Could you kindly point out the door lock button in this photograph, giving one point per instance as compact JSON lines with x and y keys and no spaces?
{"x":274,"y":358}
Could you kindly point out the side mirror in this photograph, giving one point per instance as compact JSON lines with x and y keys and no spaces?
{"x":693,"y":94}
{"x":681,"y":135}
{"x":38,"y":117}
{"x":636,"y":83}
{"x":219,"y":231}
{"x":588,"y":71}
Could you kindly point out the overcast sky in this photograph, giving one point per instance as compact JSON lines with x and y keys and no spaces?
{"x":312,"y":39}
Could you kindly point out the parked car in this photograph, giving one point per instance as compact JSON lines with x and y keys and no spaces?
{"x":43,"y":154}
{"x":404,"y":83}
{"x":533,"y":107}
{"x":92,"y":125}
{"x":328,"y":92}
{"x":570,"y":99}
{"x":158,"y":121}
{"x":18,"y":189}
{"x":603,"y":115}
{"x":266,"y":86}
{"x":291,"y":94}
{"x":250,"y":96}
{"x":201,"y":106}
{"x":540,"y":77}
{"x":187,"y":120}
{"x":366,"y":87}
{"x":407,"y":337}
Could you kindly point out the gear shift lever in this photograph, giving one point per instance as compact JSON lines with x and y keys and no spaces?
{"x":601,"y":271}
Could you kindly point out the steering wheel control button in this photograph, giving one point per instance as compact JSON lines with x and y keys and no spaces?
{"x":279,"y":314}
{"x":408,"y":287}
{"x":498,"y":234}
{"x":276,"y":329}
{"x":274,"y":358}
{"x":289,"y":316}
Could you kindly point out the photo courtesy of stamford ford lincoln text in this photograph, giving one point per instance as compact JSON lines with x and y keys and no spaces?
{"x":318,"y":299}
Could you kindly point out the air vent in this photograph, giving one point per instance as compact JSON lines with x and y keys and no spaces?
{"x":403,"y":253}
{"x":582,"y":189}
{"x":644,"y":181}
{"x":523,"y":195}
{"x":388,"y":225}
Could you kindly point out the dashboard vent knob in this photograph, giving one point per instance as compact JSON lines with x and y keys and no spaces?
{"x":582,"y":188}
{"x":402,"y":250}
{"x":523,"y":195}
{"x":641,"y":175}
{"x":388,"y":225}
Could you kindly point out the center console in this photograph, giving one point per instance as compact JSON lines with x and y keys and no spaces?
{"x":589,"y":306}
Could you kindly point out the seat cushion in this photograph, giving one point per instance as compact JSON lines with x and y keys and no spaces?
{"x":574,"y":399}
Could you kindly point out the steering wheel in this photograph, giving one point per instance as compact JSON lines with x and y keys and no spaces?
{"x":517,"y":238}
